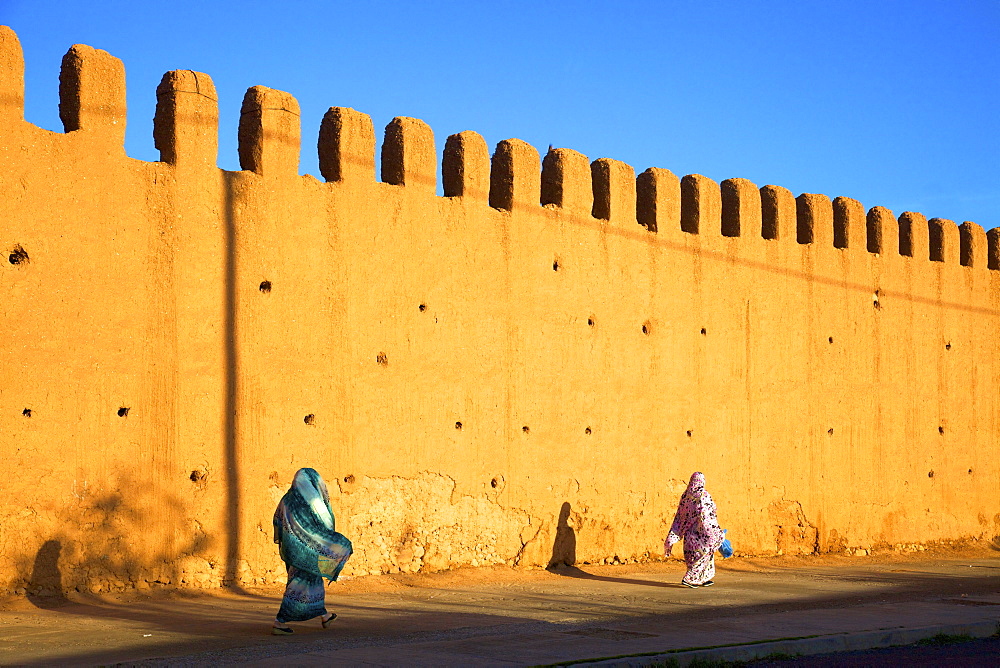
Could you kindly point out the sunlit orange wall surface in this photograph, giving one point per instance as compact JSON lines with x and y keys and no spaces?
{"x":178,"y":340}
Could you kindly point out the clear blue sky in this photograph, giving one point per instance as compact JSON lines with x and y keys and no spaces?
{"x":894,"y":103}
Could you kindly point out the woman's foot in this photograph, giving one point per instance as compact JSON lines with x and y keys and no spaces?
{"x":279,"y":629}
{"x":326,"y":619}
{"x":708,"y":583}
{"x":690,"y":585}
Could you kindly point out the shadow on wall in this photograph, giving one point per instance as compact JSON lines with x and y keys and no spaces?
{"x":564,"y":545}
{"x":45,"y":585}
{"x":133,"y":536}
{"x":564,"y":556}
{"x":232,"y":425}
{"x":123,"y":533}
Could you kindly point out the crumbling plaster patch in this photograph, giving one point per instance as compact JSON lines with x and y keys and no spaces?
{"x":400,"y":524}
{"x":793,"y":533}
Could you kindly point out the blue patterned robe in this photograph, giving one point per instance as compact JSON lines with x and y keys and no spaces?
{"x":309,"y":545}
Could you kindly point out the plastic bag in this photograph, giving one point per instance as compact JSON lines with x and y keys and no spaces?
{"x":726,"y":549}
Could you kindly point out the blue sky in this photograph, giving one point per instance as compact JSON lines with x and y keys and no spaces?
{"x":893,"y":103}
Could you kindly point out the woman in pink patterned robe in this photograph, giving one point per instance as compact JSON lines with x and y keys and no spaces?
{"x":696,"y":524}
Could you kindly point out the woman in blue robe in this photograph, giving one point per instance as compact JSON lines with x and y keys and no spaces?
{"x":311,"y":549}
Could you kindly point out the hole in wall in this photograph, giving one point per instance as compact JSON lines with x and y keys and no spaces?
{"x":556,"y":266}
{"x":690,"y":433}
{"x":941,"y":430}
{"x":382,"y":359}
{"x":265,"y":286}
{"x":422,"y":307}
{"x":930,"y":474}
{"x":494,"y":483}
{"x":875,"y":300}
{"x":26,"y":412}
{"x":830,"y":339}
{"x":947,"y":346}
{"x":590,"y":322}
{"x":704,"y":331}
{"x":458,"y":425}
{"x":645,"y":329}
{"x":587,"y":431}
{"x":830,"y":431}
{"x":349,"y":479}
{"x":123,"y":411}
{"x":970,"y":470}
{"x":18,"y":256}
{"x":309,"y":419}
{"x":198,"y":476}
{"x":526,"y":429}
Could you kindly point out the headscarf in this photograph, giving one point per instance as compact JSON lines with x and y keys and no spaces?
{"x":689,"y":510}
{"x":696,"y":518}
{"x":305,"y":530}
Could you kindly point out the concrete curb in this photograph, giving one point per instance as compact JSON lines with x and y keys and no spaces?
{"x":841,"y":642}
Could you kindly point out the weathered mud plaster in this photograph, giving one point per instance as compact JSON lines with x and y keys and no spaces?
{"x":793,"y":534}
{"x":422,"y":523}
{"x":523,"y":372}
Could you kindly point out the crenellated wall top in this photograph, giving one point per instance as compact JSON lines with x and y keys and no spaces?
{"x":514,"y":179}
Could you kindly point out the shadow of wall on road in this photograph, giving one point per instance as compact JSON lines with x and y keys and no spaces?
{"x":241,"y":635}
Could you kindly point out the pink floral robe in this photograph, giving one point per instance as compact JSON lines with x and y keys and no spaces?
{"x":696,"y":524}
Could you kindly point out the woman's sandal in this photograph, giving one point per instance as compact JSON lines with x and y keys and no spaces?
{"x":326,"y":622}
{"x":281,"y":631}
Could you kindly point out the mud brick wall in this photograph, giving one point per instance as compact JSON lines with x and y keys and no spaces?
{"x":530,"y":365}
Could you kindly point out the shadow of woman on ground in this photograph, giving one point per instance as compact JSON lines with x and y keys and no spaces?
{"x":575,"y":572}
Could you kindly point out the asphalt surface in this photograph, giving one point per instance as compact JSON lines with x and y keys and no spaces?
{"x":984,"y":652}
{"x":592,"y":615}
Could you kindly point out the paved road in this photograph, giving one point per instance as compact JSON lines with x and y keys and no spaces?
{"x":983,"y":653}
{"x":503,"y":617}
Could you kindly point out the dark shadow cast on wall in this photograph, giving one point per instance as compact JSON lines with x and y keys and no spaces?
{"x":564,"y":545}
{"x":45,"y":584}
{"x":232,"y":538}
